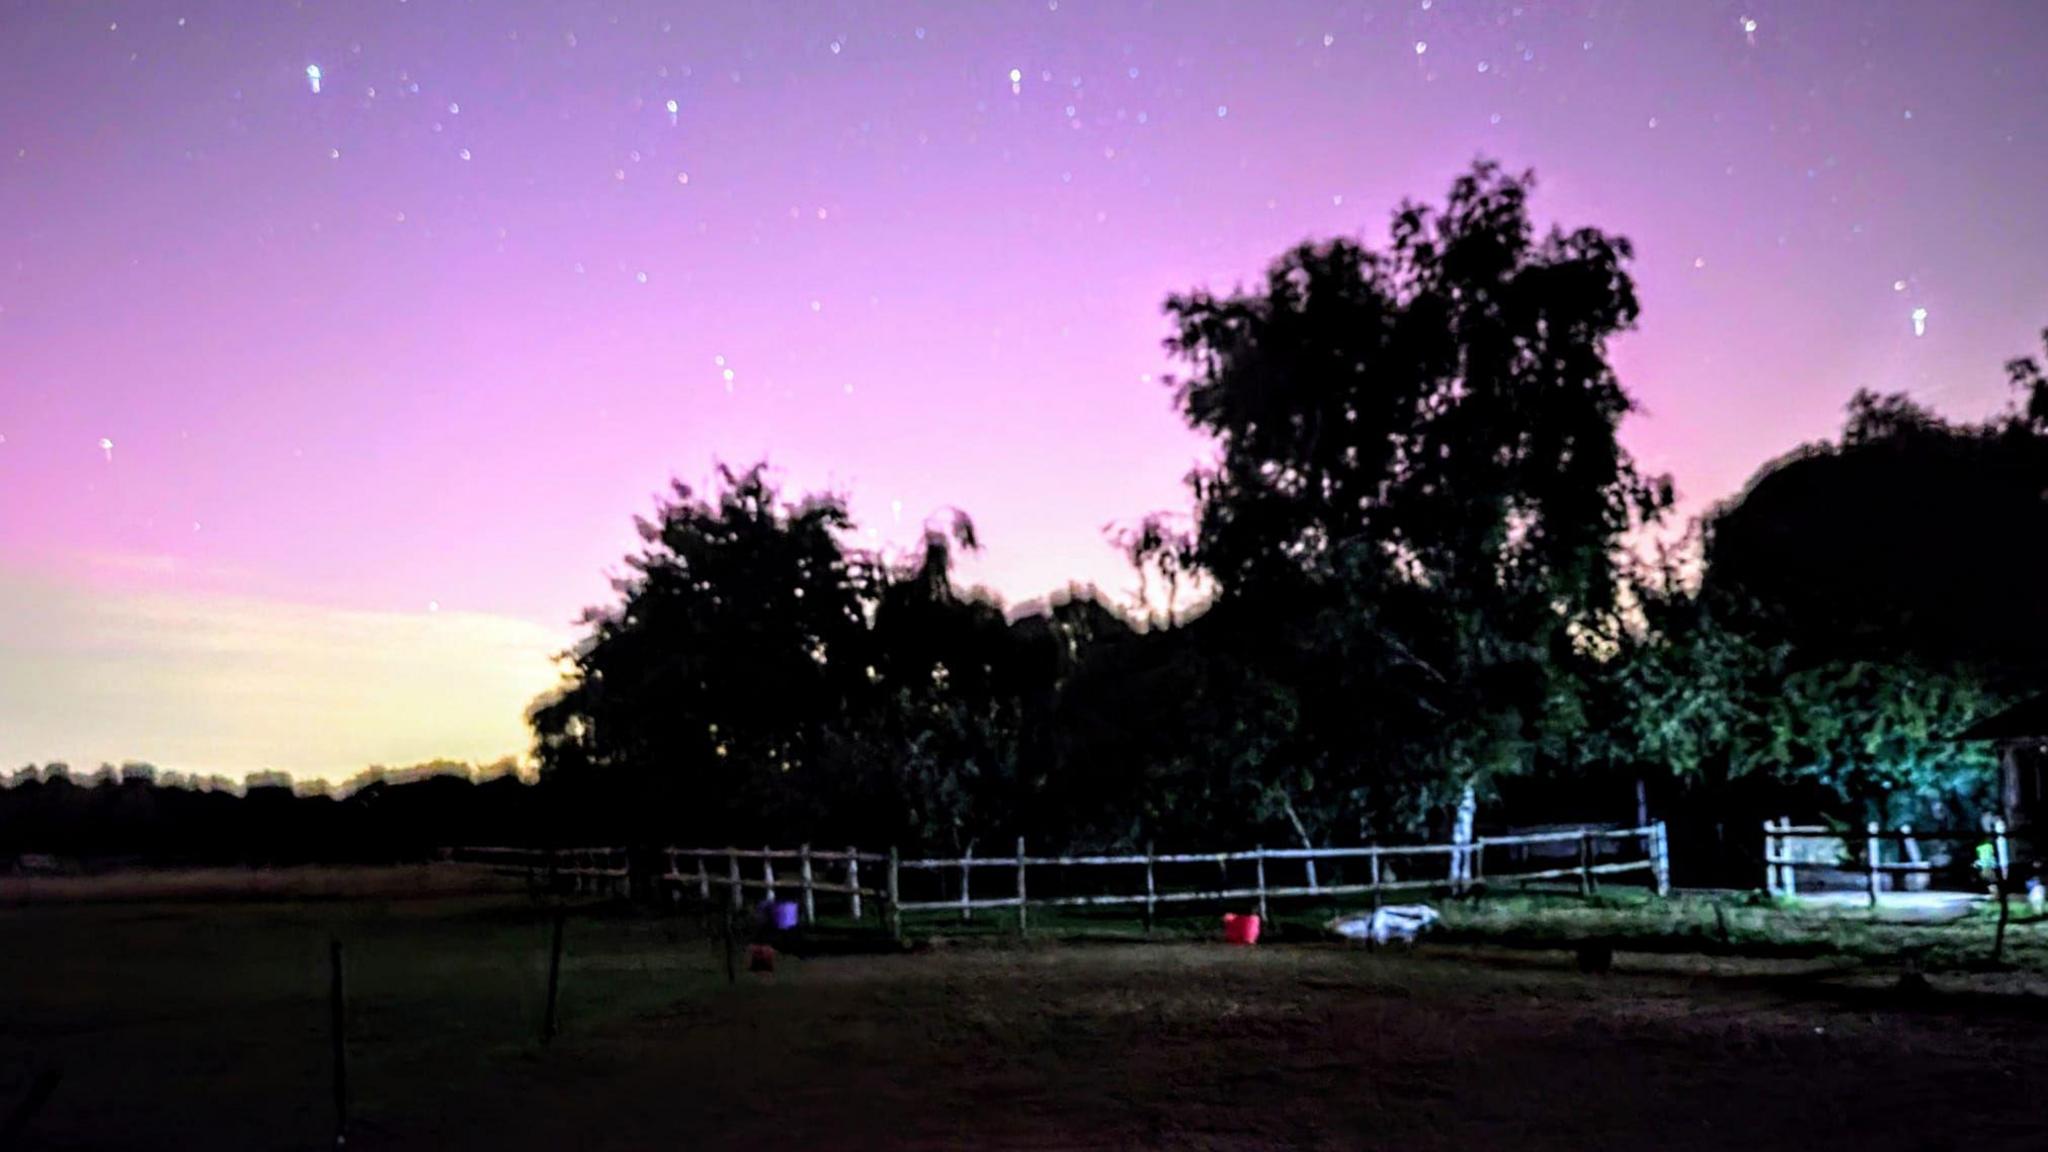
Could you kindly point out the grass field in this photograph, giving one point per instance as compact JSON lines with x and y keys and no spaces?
{"x":202,"y":1022}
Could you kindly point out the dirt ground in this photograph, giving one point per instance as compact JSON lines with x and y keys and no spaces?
{"x":205,"y":1026}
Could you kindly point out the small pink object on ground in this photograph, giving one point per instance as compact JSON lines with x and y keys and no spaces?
{"x":1240,"y":929}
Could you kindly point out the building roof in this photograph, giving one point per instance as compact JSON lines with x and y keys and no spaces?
{"x":2027,"y":720}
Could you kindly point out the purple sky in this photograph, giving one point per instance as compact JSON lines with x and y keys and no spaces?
{"x":433,"y":334}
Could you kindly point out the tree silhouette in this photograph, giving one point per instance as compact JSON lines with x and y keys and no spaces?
{"x":1418,"y":492}
{"x":741,"y":639}
{"x":1910,"y":539}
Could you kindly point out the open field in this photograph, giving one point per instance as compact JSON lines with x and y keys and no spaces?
{"x":204,"y":1024}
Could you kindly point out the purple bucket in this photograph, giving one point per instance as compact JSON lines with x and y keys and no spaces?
{"x":782,"y":915}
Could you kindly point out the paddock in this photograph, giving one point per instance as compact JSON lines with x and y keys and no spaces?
{"x":198,"y":1023}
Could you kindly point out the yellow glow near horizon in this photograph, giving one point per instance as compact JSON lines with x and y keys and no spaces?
{"x":206,"y":684}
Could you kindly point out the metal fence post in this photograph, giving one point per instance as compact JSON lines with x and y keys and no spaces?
{"x":1870,"y":859}
{"x":853,"y":878}
{"x":551,"y":1022}
{"x":732,"y":865}
{"x":1259,"y":862}
{"x":703,"y":881}
{"x":338,"y":1006}
{"x":767,"y":875}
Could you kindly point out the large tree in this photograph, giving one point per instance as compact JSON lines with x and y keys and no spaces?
{"x":705,"y":697}
{"x":1417,"y":494}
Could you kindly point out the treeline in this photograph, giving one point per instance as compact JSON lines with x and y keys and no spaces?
{"x":1413,"y":566}
{"x":135,"y":813}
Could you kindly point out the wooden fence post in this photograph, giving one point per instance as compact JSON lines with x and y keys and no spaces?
{"x":1259,"y":862}
{"x":803,"y":872}
{"x":1022,"y":921}
{"x":703,"y":881}
{"x":1585,"y":862}
{"x":966,"y":882}
{"x":1771,"y":857}
{"x":809,"y":898}
{"x":894,"y":906}
{"x":732,"y":864}
{"x":1151,"y":893}
{"x":1663,"y":866}
{"x":853,"y":878}
{"x":1374,"y":860}
{"x":767,"y":875}
{"x":1909,"y":853}
{"x":1461,"y":840}
{"x":2000,"y":858}
{"x":1870,"y":859}
{"x":338,"y":1010}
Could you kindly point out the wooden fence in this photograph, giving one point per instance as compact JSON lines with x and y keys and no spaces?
{"x":592,"y":870}
{"x":692,"y":868}
{"x":1781,"y":867}
{"x":731,"y":873}
{"x":737,"y":871}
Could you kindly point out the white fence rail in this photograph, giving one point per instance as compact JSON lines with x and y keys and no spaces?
{"x":1463,"y":869}
{"x":1782,"y":864}
{"x":734,"y":872}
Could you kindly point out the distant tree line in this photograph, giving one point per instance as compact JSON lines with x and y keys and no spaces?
{"x":134,"y":812}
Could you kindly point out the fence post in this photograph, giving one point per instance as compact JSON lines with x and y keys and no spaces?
{"x":1788,"y":869}
{"x":1022,"y":920}
{"x":338,"y":1008}
{"x":853,"y":878}
{"x":1461,"y":838}
{"x":1151,"y":894}
{"x":551,"y":1023}
{"x":1771,"y":858}
{"x":1788,"y":872}
{"x":1374,"y":859}
{"x":894,"y":907}
{"x":1585,"y":862}
{"x":1663,"y":867}
{"x":2000,"y":858}
{"x":767,"y":874}
{"x":966,"y":871}
{"x":703,"y":881}
{"x":1909,"y":853}
{"x":732,"y":863}
{"x":1259,"y":863}
{"x":810,"y":898}
{"x":1870,"y":846}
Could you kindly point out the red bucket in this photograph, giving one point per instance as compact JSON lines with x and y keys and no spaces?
{"x":1240,"y":929}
